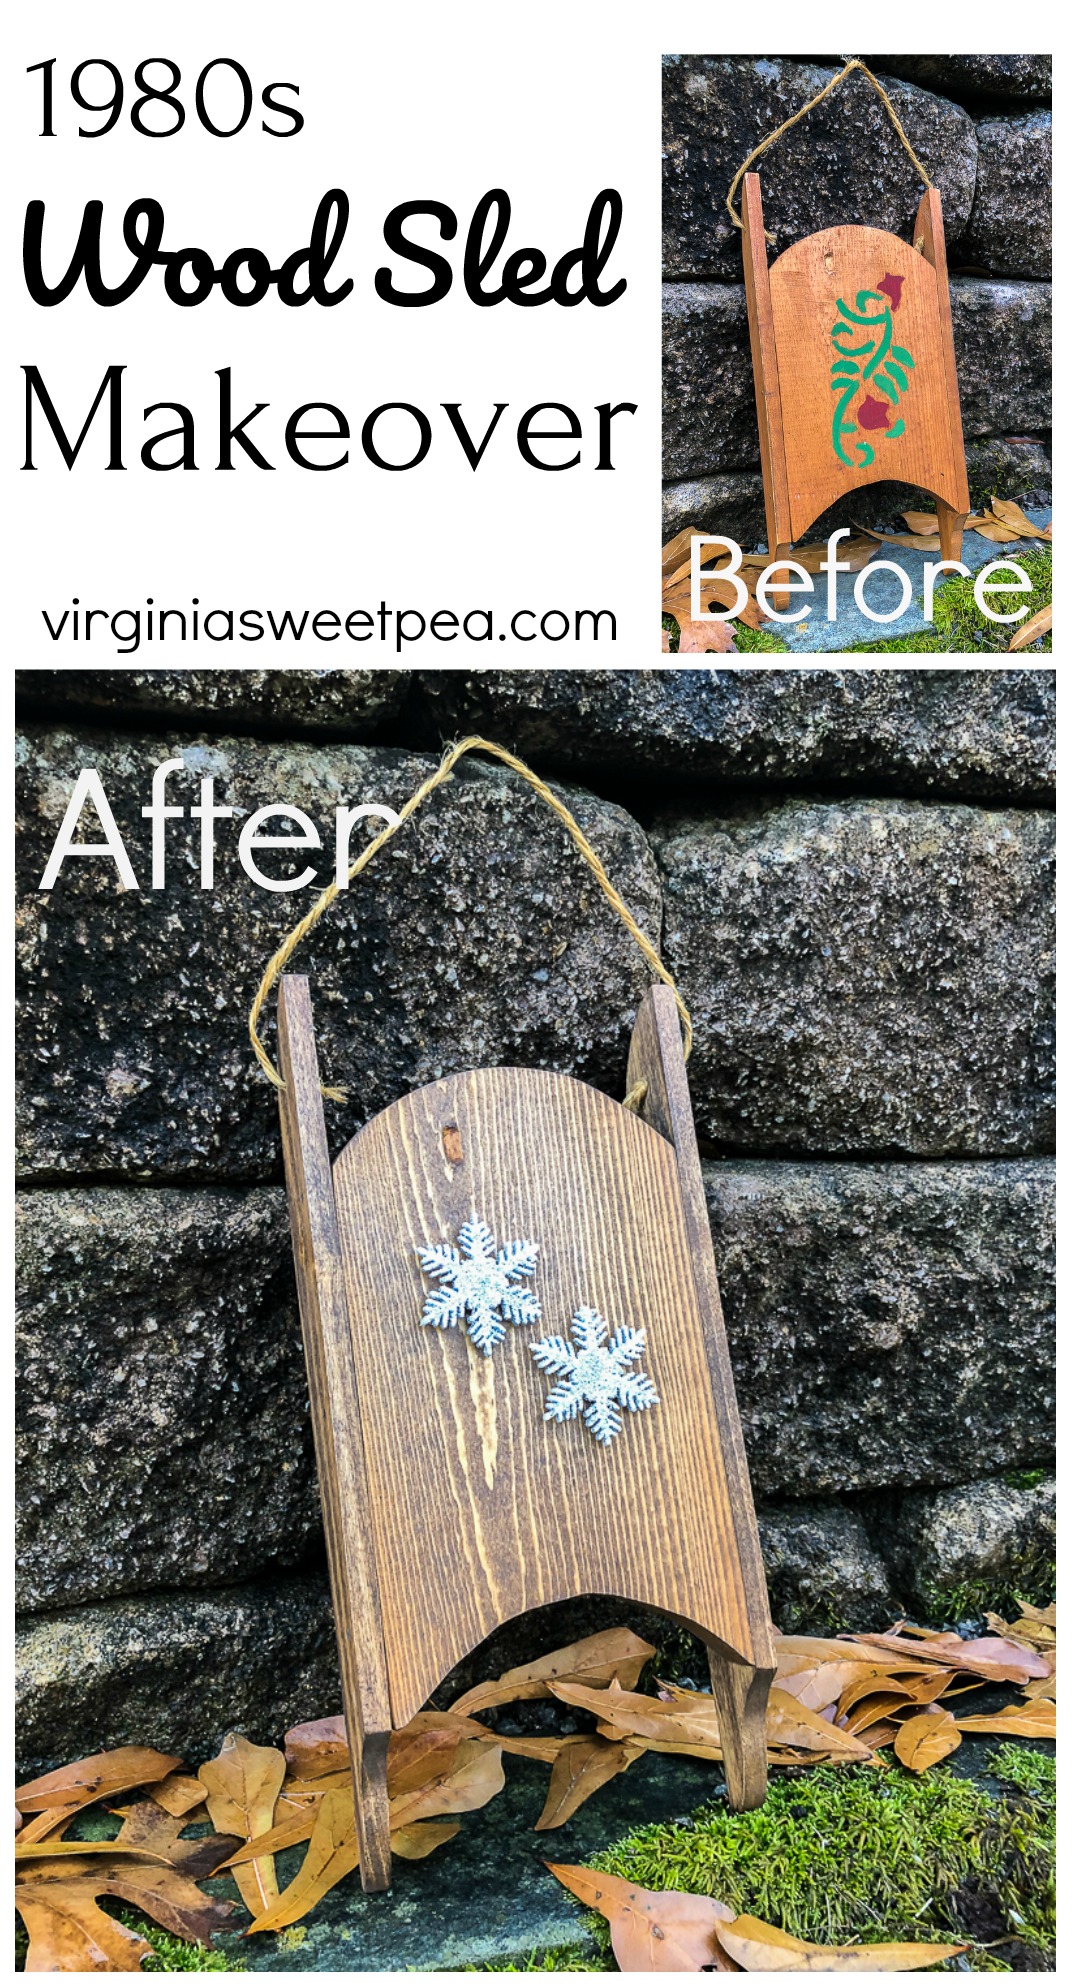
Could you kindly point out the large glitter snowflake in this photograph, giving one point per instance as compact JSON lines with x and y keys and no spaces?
{"x":592,"y":1376}
{"x":482,"y":1287}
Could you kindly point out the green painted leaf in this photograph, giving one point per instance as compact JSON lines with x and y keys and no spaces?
{"x":897,"y":373}
{"x":886,"y":385}
{"x":896,"y":429}
{"x":846,"y":366}
{"x":900,"y":352}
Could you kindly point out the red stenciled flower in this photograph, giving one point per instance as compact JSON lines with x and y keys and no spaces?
{"x":874,"y":413}
{"x":889,"y":287}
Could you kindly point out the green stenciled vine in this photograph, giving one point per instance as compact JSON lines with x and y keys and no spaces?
{"x":886,"y":367}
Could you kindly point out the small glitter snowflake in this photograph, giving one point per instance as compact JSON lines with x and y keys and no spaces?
{"x":481,"y":1285}
{"x":593,"y":1379}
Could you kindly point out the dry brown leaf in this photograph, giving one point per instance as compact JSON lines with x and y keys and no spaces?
{"x":1010,"y":514}
{"x":612,"y":1653}
{"x":818,"y":1685}
{"x":1033,"y":1720}
{"x":419,"y":1839}
{"x":1034,"y":629}
{"x":915,"y":541}
{"x":147,"y":1827}
{"x":47,"y":1822}
{"x":38,"y":1852}
{"x":676,"y":552}
{"x":927,"y":1738}
{"x":475,"y":1775}
{"x":58,"y":1905}
{"x":95,"y":1778}
{"x":296,"y":1829}
{"x":178,"y":1794}
{"x":992,"y":1657}
{"x":652,"y":1932}
{"x":70,"y":1934}
{"x":879,"y":1707}
{"x":700,"y":638}
{"x":332,"y":1853}
{"x":317,"y":1748}
{"x":923,"y":523}
{"x":764,"y":1949}
{"x":582,"y":1767}
{"x":787,"y":1723}
{"x":242,"y":1786}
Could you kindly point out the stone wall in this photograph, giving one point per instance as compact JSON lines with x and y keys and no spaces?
{"x":981,"y":126}
{"x":849,"y":872}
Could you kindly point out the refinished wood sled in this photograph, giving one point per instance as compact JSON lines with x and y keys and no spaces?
{"x":451,"y":1505}
{"x":854,"y":370}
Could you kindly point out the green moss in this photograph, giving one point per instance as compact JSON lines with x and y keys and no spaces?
{"x":749,"y":640}
{"x":1025,"y":1480}
{"x":870,"y":1854}
{"x":558,"y":1960}
{"x":959,"y":625}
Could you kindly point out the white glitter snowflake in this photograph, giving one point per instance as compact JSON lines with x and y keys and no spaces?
{"x":593,"y":1379}
{"x":481,"y":1285}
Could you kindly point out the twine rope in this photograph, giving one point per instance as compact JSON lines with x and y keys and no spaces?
{"x":833,"y":84}
{"x":276,"y":966}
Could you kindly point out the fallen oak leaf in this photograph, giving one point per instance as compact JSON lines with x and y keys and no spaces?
{"x":475,"y":1777}
{"x":612,"y":1653}
{"x":177,"y":1794}
{"x":1039,"y":624}
{"x":661,"y":1932}
{"x":927,"y":1738}
{"x":1010,"y":514}
{"x":991,"y":1657}
{"x":419,"y":1839}
{"x":763,"y":1949}
{"x":72,"y":1935}
{"x":320,"y":1747}
{"x":242,"y":1786}
{"x":332,"y":1853}
{"x":36,"y":1852}
{"x":582,"y":1767}
{"x":148,"y":1827}
{"x":1037,"y":1719}
{"x":297,"y":1829}
{"x":96,"y":1777}
{"x":168,"y":1896}
{"x":47,"y":1823}
{"x":701,"y":638}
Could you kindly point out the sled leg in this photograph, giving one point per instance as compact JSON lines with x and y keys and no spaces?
{"x":741,"y":1692}
{"x":950,"y":530}
{"x":335,"y":1415}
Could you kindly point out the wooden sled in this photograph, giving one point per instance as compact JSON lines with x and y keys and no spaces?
{"x":854,"y":370}
{"x":450,"y":1504}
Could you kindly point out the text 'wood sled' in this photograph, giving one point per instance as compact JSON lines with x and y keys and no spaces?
{"x":854,"y":370}
{"x":450,"y":1504}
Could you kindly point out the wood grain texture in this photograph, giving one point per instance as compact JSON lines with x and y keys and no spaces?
{"x":336,"y":1417}
{"x":741,"y":1689}
{"x":792,"y":311}
{"x":480,"y":1509}
{"x":766,"y":373}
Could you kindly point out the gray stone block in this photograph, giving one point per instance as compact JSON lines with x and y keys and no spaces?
{"x":1009,"y":229}
{"x":175,"y":1671}
{"x":340,"y":703}
{"x":865,"y":977}
{"x":478,"y":937}
{"x":989,"y":735}
{"x":973,"y":78}
{"x":889,"y":1325}
{"x":823,"y":1569}
{"x":1002,"y":337}
{"x":976,"y":1537}
{"x":842,"y":163}
{"x":163,"y":1433}
{"x":1003,"y":363}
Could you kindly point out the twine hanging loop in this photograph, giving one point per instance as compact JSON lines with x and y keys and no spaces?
{"x":276,"y":966}
{"x":831,"y":85}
